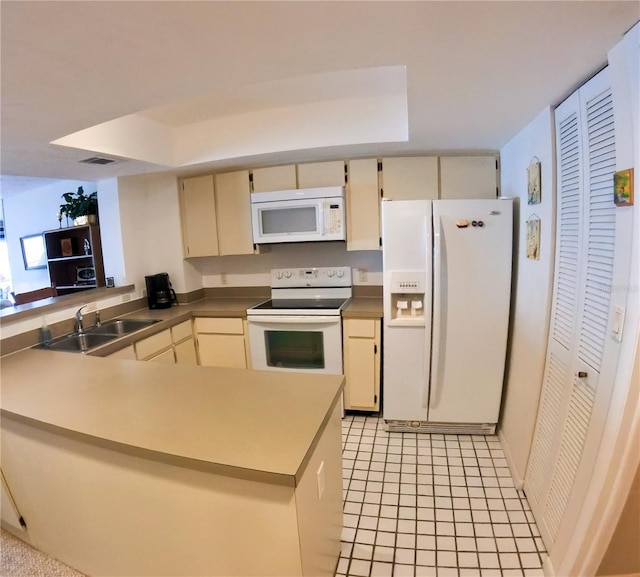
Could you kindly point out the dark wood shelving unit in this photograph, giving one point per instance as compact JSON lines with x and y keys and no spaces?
{"x":74,"y":258}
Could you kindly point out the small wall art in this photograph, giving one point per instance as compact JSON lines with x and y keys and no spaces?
{"x":623,"y":187}
{"x":533,"y":237}
{"x":534,"y":193}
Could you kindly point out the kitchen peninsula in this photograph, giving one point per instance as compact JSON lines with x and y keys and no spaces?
{"x":122,"y":467}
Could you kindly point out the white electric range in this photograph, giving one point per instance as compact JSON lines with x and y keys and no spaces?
{"x":300,"y":328}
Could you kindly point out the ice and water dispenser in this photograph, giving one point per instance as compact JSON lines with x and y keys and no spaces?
{"x":407,"y":294}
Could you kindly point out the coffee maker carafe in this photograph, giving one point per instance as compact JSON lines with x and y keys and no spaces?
{"x":160,"y":295}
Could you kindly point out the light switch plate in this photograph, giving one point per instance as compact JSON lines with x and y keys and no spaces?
{"x":618,"y":323}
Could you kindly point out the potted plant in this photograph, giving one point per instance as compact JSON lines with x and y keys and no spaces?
{"x":80,"y":207}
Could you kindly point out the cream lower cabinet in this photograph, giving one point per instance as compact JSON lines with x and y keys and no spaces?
{"x":361,"y":342}
{"x":222,"y":342}
{"x":173,"y":346}
{"x":158,"y":348}
{"x":127,"y":353}
{"x":184,"y":344}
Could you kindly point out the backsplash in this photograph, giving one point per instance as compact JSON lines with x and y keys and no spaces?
{"x":254,"y":270}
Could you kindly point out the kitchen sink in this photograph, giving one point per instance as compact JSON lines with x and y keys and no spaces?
{"x":96,"y":336}
{"x":78,"y":343}
{"x":120,"y":327}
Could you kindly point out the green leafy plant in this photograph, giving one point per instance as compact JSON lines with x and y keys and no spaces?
{"x":79,"y":204}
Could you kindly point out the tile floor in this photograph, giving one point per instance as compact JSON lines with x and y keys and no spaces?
{"x":439,"y":505}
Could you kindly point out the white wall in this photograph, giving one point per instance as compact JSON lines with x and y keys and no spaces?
{"x":151,"y":235}
{"x":533,"y":280}
{"x":111,"y":231}
{"x":33,"y":212}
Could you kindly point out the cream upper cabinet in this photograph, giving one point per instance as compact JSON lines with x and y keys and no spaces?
{"x":233,"y":200}
{"x":198,"y":211}
{"x":361,"y":341}
{"x":410,"y":178}
{"x":316,"y":174}
{"x":363,"y":205}
{"x":468,"y":177}
{"x":274,"y":178}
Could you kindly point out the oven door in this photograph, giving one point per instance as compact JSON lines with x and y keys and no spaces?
{"x":299,"y":344}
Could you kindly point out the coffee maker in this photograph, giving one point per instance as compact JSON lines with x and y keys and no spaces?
{"x":160,"y":295}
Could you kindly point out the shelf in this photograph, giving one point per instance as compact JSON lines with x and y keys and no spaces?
{"x":68,"y":258}
{"x":64,"y":268}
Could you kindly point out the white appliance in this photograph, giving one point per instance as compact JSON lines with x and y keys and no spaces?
{"x":300,"y":328}
{"x":299,"y":215}
{"x":447,"y":290}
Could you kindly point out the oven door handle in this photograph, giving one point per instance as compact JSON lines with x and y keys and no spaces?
{"x":307,"y":320}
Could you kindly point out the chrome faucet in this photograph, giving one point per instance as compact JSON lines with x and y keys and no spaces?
{"x":79,"y":319}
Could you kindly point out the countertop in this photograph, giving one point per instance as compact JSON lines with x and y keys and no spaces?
{"x":259,"y":425}
{"x":251,"y":424}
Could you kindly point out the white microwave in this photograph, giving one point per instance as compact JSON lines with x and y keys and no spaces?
{"x":299,"y":215}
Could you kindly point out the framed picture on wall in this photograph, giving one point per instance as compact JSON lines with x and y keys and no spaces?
{"x":623,"y":187}
{"x":33,"y":251}
{"x":534,"y":193}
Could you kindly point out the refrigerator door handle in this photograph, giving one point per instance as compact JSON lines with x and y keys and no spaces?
{"x":439,"y":263}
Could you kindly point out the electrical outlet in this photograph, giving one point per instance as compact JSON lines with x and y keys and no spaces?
{"x":91,"y":307}
{"x":223,"y":278}
{"x":126,"y":298}
{"x":362,"y":275}
{"x":321,"y":480}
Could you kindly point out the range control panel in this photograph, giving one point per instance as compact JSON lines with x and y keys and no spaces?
{"x":339,"y":276}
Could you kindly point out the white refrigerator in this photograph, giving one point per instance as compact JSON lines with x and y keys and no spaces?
{"x":447,"y":291}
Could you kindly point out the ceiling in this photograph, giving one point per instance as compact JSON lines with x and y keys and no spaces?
{"x":476,"y":72}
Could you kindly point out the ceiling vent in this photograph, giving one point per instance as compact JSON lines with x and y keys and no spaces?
{"x":97,"y":160}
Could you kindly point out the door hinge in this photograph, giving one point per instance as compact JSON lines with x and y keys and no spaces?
{"x":375,"y":399}
{"x":375,"y":349}
{"x":379,"y":166}
{"x":380,"y":241}
{"x":23,"y":523}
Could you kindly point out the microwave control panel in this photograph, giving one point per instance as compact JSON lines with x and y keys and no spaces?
{"x":334,"y":221}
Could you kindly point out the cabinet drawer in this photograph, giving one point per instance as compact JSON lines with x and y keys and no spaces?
{"x":181,"y":331}
{"x":220,"y":326}
{"x":153,"y":344}
{"x":126,"y":353}
{"x":167,"y":357}
{"x":363,"y":328}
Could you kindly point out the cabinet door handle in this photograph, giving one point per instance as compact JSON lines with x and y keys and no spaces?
{"x":582,"y":374}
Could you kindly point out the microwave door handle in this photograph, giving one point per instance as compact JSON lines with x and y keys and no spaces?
{"x":321,"y":221}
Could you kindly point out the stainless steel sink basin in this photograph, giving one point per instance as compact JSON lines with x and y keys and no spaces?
{"x":120,"y":327}
{"x":78,"y":343}
{"x":93,"y":337}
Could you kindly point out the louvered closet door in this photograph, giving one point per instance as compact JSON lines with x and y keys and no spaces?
{"x":578,"y":334}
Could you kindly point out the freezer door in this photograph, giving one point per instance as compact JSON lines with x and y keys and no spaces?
{"x":406,"y":253}
{"x":472,"y":291}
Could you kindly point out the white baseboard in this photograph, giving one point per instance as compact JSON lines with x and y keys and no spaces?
{"x":518,"y":481}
